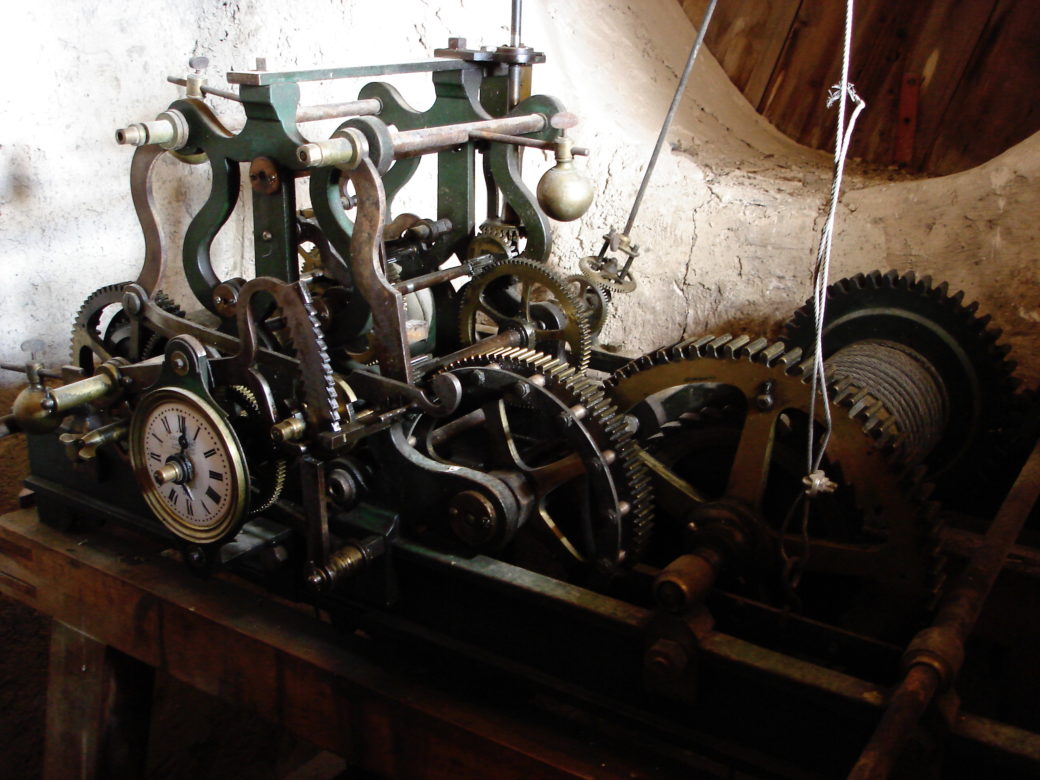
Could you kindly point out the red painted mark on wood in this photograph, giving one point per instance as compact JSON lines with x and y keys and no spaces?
{"x":907,"y":127}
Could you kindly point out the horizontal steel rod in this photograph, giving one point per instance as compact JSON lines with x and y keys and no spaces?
{"x":251,"y":78}
{"x":425,"y":140}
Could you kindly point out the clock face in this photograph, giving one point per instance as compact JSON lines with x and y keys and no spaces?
{"x":189,"y":464}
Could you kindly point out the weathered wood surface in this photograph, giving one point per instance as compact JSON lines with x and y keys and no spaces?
{"x":979,"y":61}
{"x":276,"y":661}
{"x":98,"y":709}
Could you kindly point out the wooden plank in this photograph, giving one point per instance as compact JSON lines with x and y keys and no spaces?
{"x":942,"y":47}
{"x":794,"y":100}
{"x":285,"y":666}
{"x":993,"y":106}
{"x":882,"y":37}
{"x":746,"y":37}
{"x":98,"y":709}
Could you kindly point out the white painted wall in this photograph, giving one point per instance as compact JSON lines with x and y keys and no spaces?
{"x":727,"y":229}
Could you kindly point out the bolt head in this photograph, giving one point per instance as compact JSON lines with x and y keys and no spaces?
{"x":179,"y":363}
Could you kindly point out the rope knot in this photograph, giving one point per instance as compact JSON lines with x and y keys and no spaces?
{"x":834,"y":94}
{"x":817,"y":482}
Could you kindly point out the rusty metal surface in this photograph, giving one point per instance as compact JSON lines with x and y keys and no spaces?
{"x":935,"y":656}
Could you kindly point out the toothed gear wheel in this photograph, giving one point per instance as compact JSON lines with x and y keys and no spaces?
{"x":959,"y":345}
{"x":896,"y":542}
{"x":88,"y":340}
{"x":267,"y":471}
{"x":596,"y":299}
{"x":605,"y":273}
{"x":495,"y":238}
{"x":563,"y":415}
{"x":524,"y":293}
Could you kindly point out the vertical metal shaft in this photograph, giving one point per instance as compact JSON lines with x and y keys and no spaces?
{"x":514,"y":28}
{"x":515,"y":71}
{"x":670,"y":115}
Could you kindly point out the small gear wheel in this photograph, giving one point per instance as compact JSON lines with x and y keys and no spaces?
{"x":596,"y":299}
{"x":268,"y":471}
{"x":524,"y":294}
{"x":495,"y":238}
{"x":605,"y":273}
{"x":103,"y":330}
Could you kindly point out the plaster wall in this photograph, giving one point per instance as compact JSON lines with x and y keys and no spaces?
{"x":727,"y":230}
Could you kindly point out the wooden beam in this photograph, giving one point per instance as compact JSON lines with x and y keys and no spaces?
{"x":98,"y":709}
{"x":328,"y":686}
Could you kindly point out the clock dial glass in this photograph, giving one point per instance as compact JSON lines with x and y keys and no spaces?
{"x":189,"y":465}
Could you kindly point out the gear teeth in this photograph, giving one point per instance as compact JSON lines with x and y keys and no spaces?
{"x":631,"y":478}
{"x":756,"y":346}
{"x":715,"y":347}
{"x":577,"y":329}
{"x":769,"y":355}
{"x":883,"y":443}
{"x":732,"y":349}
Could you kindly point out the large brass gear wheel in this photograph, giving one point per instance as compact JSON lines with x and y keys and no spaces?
{"x":895,"y":541}
{"x":525,"y":294}
{"x":530,"y":415}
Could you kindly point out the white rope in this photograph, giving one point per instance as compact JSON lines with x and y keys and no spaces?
{"x":816,"y":481}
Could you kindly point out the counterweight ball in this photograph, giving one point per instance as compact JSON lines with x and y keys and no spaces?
{"x":564,"y":193}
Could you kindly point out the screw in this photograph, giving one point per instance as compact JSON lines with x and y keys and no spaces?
{"x":764,"y":401}
{"x":522,"y":390}
{"x":267,"y":235}
{"x":179,"y":363}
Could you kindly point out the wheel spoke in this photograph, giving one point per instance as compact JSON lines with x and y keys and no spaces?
{"x":747,"y":476}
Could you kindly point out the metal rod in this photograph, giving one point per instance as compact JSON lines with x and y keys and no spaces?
{"x":206,"y":90}
{"x":670,"y":115}
{"x":254,"y":78}
{"x":953,"y":623}
{"x":366,"y":107}
{"x":515,"y":21}
{"x":519,"y":140}
{"x":438,"y":277}
{"x":409,"y":143}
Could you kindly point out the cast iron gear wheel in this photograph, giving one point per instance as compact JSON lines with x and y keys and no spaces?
{"x":618,"y":482}
{"x":525,"y":293}
{"x":897,"y":544}
{"x":88,"y":340}
{"x":959,"y":343}
{"x":267,"y":471}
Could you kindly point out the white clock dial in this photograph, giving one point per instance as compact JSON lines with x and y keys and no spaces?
{"x":189,"y":464}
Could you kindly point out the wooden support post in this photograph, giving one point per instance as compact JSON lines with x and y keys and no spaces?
{"x":98,"y":709}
